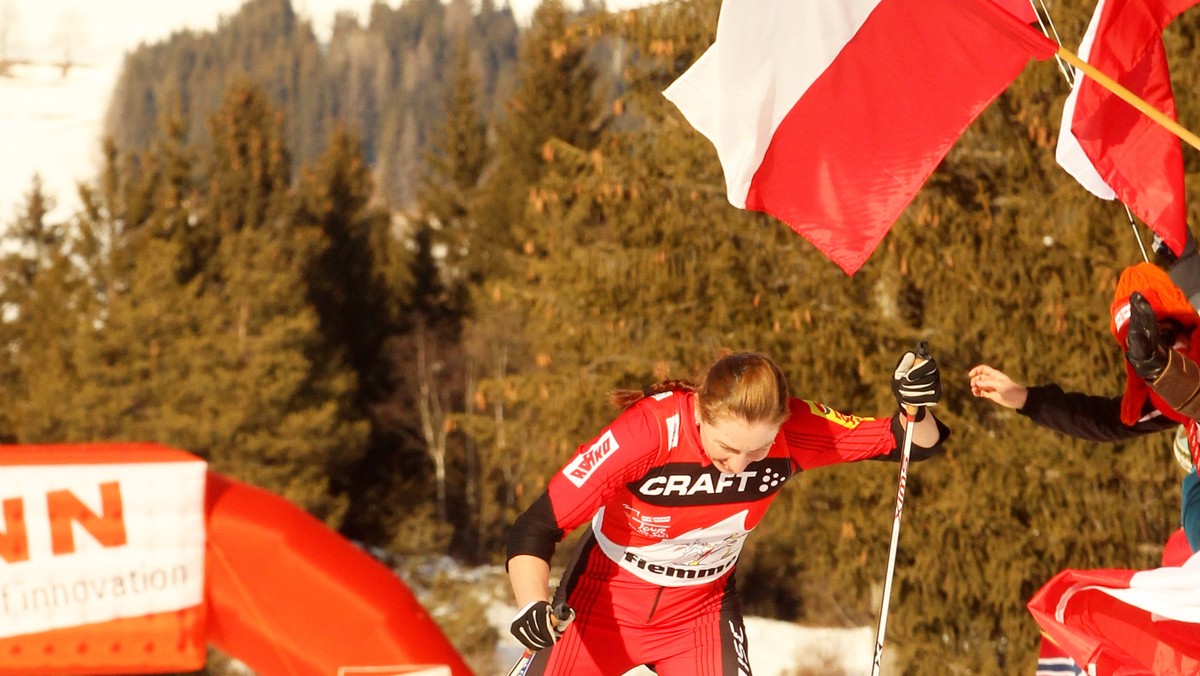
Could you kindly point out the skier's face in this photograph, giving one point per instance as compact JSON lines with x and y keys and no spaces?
{"x":732,"y":443}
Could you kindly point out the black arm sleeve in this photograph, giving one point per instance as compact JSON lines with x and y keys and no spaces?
{"x":1087,"y":416}
{"x":536,"y":531}
{"x":916,"y":453}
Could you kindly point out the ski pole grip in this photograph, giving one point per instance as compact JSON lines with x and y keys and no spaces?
{"x":922,"y":353}
{"x":562,"y":614}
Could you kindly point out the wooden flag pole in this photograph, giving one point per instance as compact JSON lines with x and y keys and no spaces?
{"x":1130,"y":98}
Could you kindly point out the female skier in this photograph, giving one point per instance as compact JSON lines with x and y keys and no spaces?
{"x":671,"y":489}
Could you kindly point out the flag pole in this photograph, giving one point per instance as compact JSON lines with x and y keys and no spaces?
{"x":1130,"y":98}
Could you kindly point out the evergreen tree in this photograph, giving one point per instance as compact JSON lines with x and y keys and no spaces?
{"x":382,"y":81}
{"x":357,"y":279}
{"x":555,"y":100}
{"x":130,"y":241}
{"x":555,"y":107}
{"x":275,"y":410}
{"x":358,"y":282}
{"x":444,"y":373}
{"x":250,"y":166}
{"x":454,"y":167}
{"x":39,"y":295}
{"x":268,"y":410}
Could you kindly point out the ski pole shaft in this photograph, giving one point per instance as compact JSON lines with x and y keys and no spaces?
{"x":910,"y":416}
{"x":910,"y":412}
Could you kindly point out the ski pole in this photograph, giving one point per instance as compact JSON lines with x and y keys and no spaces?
{"x":910,"y":416}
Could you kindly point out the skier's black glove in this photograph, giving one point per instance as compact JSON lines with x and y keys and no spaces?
{"x":916,"y":384}
{"x":539,"y":626}
{"x":1147,"y":352}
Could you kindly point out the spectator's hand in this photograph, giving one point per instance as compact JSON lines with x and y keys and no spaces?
{"x":538,"y":625}
{"x":916,"y":383}
{"x":1146,"y":351}
{"x":995,"y":386}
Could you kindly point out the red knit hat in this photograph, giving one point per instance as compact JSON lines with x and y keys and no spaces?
{"x":1168,"y":302}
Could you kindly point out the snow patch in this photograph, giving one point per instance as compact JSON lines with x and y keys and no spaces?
{"x":50,"y":125}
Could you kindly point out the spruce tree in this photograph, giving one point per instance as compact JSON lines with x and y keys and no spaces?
{"x":40,"y":292}
{"x":554,"y":100}
{"x":274,"y":409}
{"x":358,"y":282}
{"x":447,"y":197}
{"x":130,"y":243}
{"x":555,"y":105}
{"x":454,"y":167}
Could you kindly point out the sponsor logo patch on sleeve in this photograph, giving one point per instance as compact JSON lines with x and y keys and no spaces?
{"x":579,"y":470}
{"x":837,"y":417}
{"x":673,"y":431}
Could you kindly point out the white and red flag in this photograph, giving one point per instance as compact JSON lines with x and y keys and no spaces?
{"x":1125,"y":622}
{"x":831,"y":114}
{"x":1111,"y":148}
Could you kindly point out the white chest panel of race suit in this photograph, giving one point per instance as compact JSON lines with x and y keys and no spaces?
{"x":691,"y":558}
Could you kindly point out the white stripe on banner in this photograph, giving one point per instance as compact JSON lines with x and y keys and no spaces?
{"x":92,"y":543}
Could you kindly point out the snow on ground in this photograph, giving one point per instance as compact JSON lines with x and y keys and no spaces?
{"x":776,"y":648}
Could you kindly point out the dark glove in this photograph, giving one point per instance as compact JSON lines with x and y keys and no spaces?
{"x":1146,"y":351}
{"x":917,"y":384}
{"x":539,"y":626}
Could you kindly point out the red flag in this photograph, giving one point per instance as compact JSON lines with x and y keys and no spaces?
{"x":830,"y":115}
{"x":1113,"y":149}
{"x":1124,"y":622}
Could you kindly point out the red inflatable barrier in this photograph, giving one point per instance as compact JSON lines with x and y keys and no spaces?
{"x":129,"y":558}
{"x":289,"y":596}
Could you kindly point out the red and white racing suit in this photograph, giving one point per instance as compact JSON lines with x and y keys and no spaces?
{"x":652,"y":582}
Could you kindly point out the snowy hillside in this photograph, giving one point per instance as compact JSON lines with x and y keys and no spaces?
{"x":50,"y":124}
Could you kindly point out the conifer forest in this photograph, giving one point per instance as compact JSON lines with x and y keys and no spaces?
{"x":394,"y":277}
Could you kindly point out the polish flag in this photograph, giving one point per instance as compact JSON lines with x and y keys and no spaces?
{"x":1110,"y":147}
{"x":831,"y":114}
{"x":1124,"y":622}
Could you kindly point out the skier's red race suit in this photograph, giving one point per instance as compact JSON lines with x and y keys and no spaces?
{"x":652,"y":582}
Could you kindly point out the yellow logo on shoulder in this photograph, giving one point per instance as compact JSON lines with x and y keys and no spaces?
{"x":837,"y":417}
